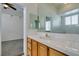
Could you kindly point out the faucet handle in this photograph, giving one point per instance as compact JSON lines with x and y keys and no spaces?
{"x":46,"y":35}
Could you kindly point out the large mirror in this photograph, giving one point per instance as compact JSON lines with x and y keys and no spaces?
{"x":57,"y":18}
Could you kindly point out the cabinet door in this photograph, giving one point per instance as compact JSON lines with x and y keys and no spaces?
{"x":34,"y":48}
{"x":53,"y":52}
{"x":42,"y":50}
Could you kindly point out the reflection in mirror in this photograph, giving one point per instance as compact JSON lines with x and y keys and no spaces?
{"x":37,"y":23}
{"x":55,"y":19}
{"x":34,"y":19}
{"x":48,"y":24}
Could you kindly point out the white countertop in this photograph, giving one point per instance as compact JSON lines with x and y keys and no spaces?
{"x":66,"y":43}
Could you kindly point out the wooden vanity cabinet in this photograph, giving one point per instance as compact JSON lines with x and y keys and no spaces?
{"x":35,"y":48}
{"x":42,"y":50}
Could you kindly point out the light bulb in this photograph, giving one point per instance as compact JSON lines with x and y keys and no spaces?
{"x":5,"y":5}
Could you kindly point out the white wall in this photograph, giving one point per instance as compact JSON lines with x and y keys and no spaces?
{"x":12,"y":27}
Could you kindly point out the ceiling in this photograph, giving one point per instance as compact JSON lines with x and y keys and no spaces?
{"x":57,"y":5}
{"x":19,"y":6}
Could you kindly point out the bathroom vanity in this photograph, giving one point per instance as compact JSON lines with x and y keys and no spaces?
{"x":36,"y":48}
{"x":54,"y":45}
